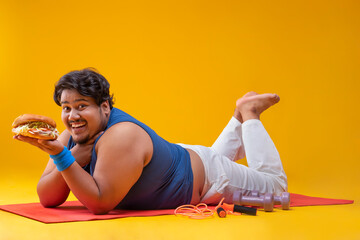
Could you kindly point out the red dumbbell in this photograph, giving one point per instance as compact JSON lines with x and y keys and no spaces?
{"x":266,"y":201}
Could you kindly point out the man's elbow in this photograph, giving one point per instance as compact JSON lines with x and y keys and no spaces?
{"x":99,"y":210}
{"x":50,"y":203}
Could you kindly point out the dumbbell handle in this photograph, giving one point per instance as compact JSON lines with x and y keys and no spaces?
{"x":283,"y":199}
{"x":277,"y":200}
{"x":251,"y":200}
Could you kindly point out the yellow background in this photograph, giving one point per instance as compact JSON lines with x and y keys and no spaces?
{"x":179,"y":67}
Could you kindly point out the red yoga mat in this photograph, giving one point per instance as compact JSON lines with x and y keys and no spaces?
{"x":74,"y":211}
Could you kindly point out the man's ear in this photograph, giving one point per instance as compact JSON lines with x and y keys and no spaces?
{"x":105,"y":107}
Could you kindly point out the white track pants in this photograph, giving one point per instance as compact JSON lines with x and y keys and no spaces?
{"x":223,"y":176}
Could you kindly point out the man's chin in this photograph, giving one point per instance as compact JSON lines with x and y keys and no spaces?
{"x":79,"y":140}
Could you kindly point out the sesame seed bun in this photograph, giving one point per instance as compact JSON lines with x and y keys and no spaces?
{"x":26,"y":118}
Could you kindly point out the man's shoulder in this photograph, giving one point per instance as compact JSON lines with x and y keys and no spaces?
{"x":125,"y":127}
{"x":126,"y":137}
{"x":127,"y":132}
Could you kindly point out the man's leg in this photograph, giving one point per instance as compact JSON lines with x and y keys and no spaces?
{"x":261,"y":153}
{"x":230,"y":142}
{"x":265,"y":172}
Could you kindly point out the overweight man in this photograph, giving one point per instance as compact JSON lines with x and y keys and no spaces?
{"x":109,"y":159}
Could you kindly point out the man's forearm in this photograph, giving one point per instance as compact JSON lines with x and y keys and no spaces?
{"x":86,"y":190}
{"x":52,"y":189}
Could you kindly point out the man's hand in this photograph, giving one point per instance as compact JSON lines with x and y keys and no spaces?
{"x":82,"y":152}
{"x":51,"y":147}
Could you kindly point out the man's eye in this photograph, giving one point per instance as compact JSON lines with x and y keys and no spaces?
{"x":66,"y":108}
{"x":81,"y":106}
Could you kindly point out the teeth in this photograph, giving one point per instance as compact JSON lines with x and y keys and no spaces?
{"x":76,"y":125}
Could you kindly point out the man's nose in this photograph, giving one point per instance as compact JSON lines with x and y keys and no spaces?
{"x":74,"y":115}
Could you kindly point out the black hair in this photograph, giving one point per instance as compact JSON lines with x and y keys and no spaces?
{"x":88,"y":82}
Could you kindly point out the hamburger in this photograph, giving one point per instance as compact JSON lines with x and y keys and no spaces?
{"x":35,"y":126}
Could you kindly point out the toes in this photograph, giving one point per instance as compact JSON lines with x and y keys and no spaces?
{"x":276,"y":98}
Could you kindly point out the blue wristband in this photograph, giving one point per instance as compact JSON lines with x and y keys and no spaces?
{"x":63,"y":160}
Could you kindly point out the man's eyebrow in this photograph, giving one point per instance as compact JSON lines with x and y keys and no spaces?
{"x":77,"y":100}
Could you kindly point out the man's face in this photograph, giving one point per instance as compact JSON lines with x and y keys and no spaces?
{"x":81,"y":115}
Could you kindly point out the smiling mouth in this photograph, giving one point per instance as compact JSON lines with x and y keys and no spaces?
{"x":77,"y":126}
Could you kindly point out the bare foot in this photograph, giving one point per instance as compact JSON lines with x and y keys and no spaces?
{"x":237,"y":113}
{"x":251,"y":105}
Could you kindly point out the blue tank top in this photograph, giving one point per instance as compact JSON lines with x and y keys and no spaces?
{"x":166,"y":181}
